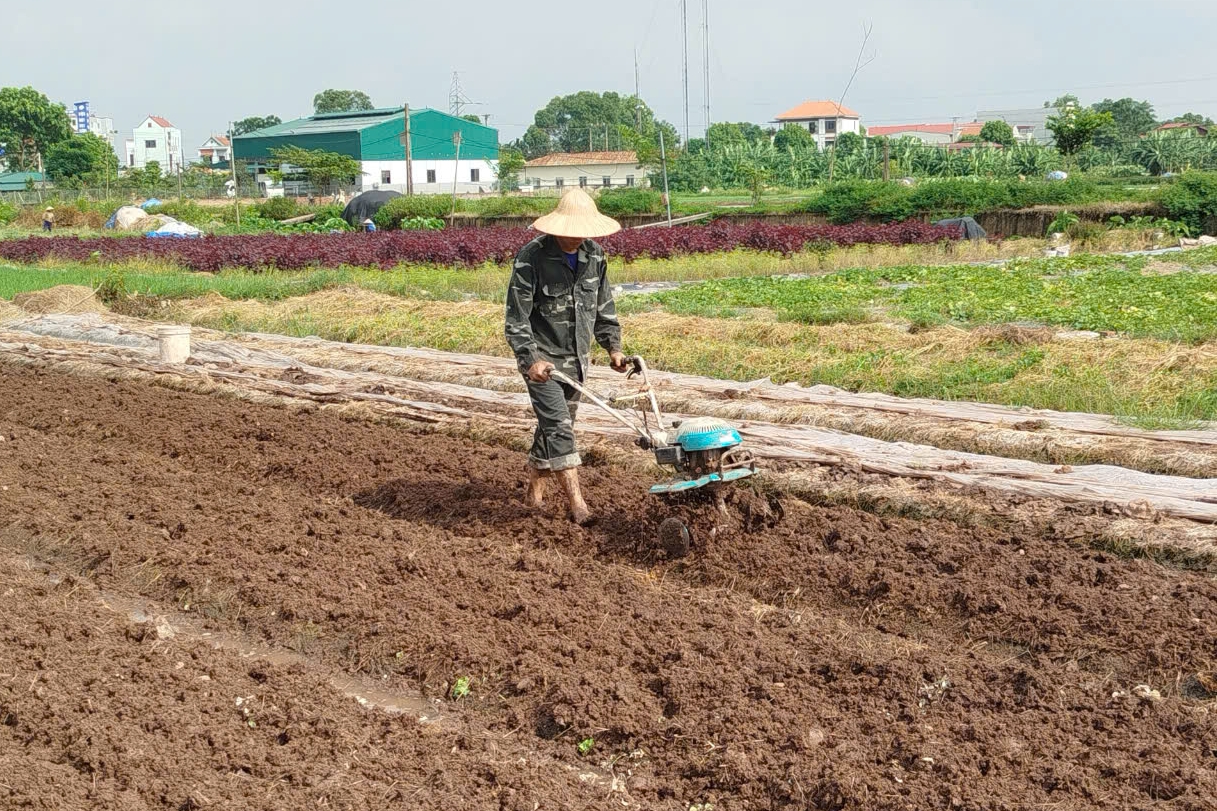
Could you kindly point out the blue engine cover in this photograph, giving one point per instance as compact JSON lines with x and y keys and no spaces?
{"x":706,"y":434}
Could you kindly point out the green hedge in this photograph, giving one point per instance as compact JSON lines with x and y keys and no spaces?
{"x":873,"y":199}
{"x":629,"y":202}
{"x":279,"y":208}
{"x":407,"y":208}
{"x":1192,"y":199}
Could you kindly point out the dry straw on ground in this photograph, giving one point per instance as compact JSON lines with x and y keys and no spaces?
{"x":66,"y":298}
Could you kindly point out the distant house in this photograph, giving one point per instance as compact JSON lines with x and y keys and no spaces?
{"x":19,"y":181}
{"x":156,"y":140}
{"x":1030,"y":124}
{"x":936,"y":134}
{"x":216,"y":149}
{"x":374,"y":138}
{"x":825,"y":120}
{"x":1183,"y":126}
{"x":601,"y":170}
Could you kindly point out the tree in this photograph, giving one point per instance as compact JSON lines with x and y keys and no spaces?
{"x":341,"y":101}
{"x":1067,"y":100}
{"x":583,"y":121}
{"x":1075,"y":128}
{"x":849,"y":142}
{"x":793,"y":137}
{"x":726,"y":132}
{"x":320,"y":167}
{"x":30,"y":124}
{"x":997,"y":132}
{"x":511,"y":163}
{"x":82,"y":158}
{"x":1130,"y":119}
{"x":471,"y":117}
{"x":255,"y":122}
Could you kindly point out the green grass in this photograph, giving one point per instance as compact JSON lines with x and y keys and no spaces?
{"x":1103,"y":294}
{"x":848,"y":328}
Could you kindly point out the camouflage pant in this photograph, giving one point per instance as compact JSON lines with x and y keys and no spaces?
{"x":553,"y":444}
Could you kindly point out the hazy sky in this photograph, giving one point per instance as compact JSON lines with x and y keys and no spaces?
{"x":935,"y":59}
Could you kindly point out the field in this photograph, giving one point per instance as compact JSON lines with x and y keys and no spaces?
{"x":835,"y":660}
{"x":297,"y":574}
{"x":1130,"y":336}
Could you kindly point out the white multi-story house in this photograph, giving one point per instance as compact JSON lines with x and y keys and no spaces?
{"x":215,"y":149}
{"x":825,"y":120}
{"x":156,"y":140}
{"x":103,"y":127}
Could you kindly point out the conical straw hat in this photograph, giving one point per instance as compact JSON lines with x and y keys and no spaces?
{"x":577,"y":216}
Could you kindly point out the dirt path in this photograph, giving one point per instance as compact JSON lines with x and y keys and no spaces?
{"x":834,"y":661}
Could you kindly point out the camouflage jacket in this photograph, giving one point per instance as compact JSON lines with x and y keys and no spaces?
{"x":554,"y":313}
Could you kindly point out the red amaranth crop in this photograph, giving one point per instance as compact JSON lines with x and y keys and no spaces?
{"x":456,"y":247}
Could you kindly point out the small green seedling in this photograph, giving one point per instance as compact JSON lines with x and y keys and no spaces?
{"x":461,"y":688}
{"x":586,"y":745}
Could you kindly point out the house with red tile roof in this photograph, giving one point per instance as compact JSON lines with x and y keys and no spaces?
{"x":1183,"y":126}
{"x":600,"y":170}
{"x":215,"y":149}
{"x":156,"y":139}
{"x":825,"y":120}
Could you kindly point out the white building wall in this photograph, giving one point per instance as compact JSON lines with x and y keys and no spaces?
{"x":168,"y":149}
{"x":103,"y":128}
{"x":617,"y":173}
{"x":823,"y":138}
{"x":444,"y":173}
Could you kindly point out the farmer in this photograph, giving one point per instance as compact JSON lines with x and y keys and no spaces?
{"x":48,"y":219}
{"x":558,"y":302}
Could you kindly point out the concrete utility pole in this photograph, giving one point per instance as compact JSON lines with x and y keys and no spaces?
{"x":405,"y":142}
{"x":684,"y":36}
{"x":637,"y":95}
{"x":663,"y":157}
{"x":232,"y":164}
{"x":705,"y":58}
{"x":456,"y":168}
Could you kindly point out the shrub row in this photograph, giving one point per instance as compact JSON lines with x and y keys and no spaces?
{"x":874,"y":199}
{"x":459,"y":247}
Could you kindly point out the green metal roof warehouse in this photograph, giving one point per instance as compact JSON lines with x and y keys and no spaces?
{"x":374,"y":135}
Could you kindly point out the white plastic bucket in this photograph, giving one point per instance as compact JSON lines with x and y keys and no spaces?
{"x":175,"y":343}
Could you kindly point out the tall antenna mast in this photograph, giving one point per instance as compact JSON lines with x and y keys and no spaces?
{"x":457,"y":101}
{"x":705,"y":43}
{"x":684,"y":32}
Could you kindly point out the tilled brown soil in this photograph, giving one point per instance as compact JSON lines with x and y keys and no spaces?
{"x":829,"y":660}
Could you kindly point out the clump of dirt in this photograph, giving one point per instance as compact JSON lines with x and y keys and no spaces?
{"x":63,"y":298}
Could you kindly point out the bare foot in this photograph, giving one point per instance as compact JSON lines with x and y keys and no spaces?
{"x":581,"y":515}
{"x":534,"y":494}
{"x":579,"y":512}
